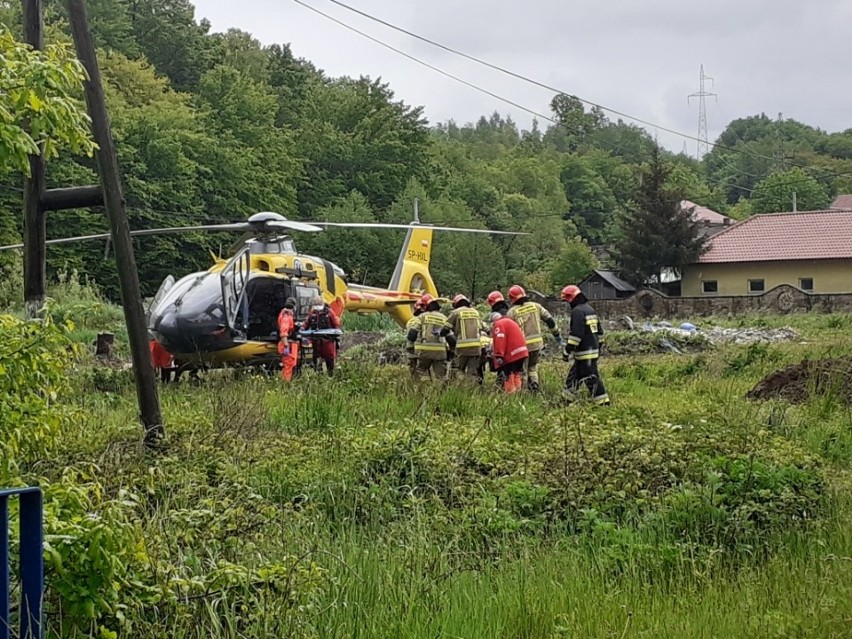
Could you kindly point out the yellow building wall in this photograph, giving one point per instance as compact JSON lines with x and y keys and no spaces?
{"x":829,"y":276}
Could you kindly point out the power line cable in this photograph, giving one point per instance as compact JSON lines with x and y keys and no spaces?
{"x":521,"y":77}
{"x":446,"y":73}
{"x":526,"y":79}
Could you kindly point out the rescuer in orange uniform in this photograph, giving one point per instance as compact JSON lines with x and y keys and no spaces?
{"x":163,"y":361}
{"x":321,"y":317}
{"x":288,"y":341}
{"x":509,"y":351}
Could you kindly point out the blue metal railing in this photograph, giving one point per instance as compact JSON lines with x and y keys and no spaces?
{"x":31,"y":558}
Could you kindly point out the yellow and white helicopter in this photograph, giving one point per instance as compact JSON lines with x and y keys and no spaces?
{"x":227,"y":315}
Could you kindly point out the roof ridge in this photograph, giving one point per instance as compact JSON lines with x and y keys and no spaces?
{"x":818,"y":234}
{"x":790,"y":213}
{"x":730,"y":228}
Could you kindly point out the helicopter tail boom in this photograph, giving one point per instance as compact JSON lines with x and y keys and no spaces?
{"x":411,"y":278}
{"x":411,"y":274}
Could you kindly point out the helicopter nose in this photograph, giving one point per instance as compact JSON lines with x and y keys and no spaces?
{"x":167,"y":330}
{"x":180,"y":333}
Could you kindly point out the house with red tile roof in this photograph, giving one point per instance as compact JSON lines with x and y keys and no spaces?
{"x":712,"y":222}
{"x":842,"y":202}
{"x":811,"y":250}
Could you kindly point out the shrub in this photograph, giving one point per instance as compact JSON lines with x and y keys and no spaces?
{"x":34,"y":357}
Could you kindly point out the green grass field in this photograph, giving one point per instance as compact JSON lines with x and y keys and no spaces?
{"x":366,"y":507}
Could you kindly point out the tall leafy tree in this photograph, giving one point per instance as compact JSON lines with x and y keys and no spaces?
{"x":775,"y":193}
{"x":39,"y":109}
{"x":753,"y":147}
{"x":292,"y":80}
{"x":575,"y":122}
{"x":592,"y":201}
{"x":656,"y":232}
{"x":241,"y":51}
{"x":356,"y":136}
{"x":169,"y":36}
{"x":574,"y":262}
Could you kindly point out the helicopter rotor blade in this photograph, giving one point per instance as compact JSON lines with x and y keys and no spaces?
{"x":241,"y":226}
{"x":293,"y":226}
{"x":237,"y":226}
{"x":380,"y":225}
{"x":270,"y":224}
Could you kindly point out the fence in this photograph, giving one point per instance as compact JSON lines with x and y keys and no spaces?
{"x":780,"y":300}
{"x":31,"y":562}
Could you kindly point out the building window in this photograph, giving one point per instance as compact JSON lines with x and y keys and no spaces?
{"x":806,"y":283}
{"x":756,"y":286}
{"x":710,"y":286}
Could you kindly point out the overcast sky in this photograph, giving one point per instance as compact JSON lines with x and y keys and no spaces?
{"x":641,"y":57}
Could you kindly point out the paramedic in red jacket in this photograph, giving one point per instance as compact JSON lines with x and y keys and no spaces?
{"x":509,"y":351}
{"x":322,"y":317}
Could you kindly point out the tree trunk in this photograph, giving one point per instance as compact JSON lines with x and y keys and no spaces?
{"x":104,"y":345}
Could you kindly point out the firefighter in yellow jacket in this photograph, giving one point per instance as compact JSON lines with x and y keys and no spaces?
{"x":432,"y":349}
{"x":413,"y":325}
{"x":467,"y":327}
{"x":530,"y":316}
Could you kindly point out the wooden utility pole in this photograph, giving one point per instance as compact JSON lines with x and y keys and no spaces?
{"x":128,"y":276}
{"x":37,"y":199}
{"x":34,"y":225}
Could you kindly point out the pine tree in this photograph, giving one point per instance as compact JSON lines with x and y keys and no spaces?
{"x":657,"y":233}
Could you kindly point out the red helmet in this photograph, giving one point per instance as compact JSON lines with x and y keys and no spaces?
{"x":516,"y":293}
{"x":494,"y":297}
{"x":570,"y":292}
{"x":417,"y":306}
{"x":426,"y":300}
{"x":459,"y":299}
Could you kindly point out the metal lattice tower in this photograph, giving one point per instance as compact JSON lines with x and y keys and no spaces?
{"x":702,"y":95}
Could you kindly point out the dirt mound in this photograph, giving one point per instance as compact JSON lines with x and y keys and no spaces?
{"x":383,"y":348}
{"x":351,"y":339}
{"x":798,"y":382}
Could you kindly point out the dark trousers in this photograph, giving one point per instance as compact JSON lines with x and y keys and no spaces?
{"x":585,"y":371}
{"x":507,"y":369}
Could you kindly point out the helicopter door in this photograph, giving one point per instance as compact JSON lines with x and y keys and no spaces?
{"x":234,"y":277}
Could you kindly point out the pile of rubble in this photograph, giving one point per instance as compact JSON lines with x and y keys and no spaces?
{"x":719,"y":335}
{"x":662,"y":336}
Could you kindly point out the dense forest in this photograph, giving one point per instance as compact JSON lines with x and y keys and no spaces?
{"x":212,"y":127}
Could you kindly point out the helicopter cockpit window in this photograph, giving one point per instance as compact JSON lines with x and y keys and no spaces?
{"x":283,"y":245}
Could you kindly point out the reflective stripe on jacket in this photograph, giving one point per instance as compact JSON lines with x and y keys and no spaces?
{"x":430,"y":339}
{"x":585,"y":332}
{"x":466,"y":325}
{"x":529,"y":317}
{"x":413,"y":324}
